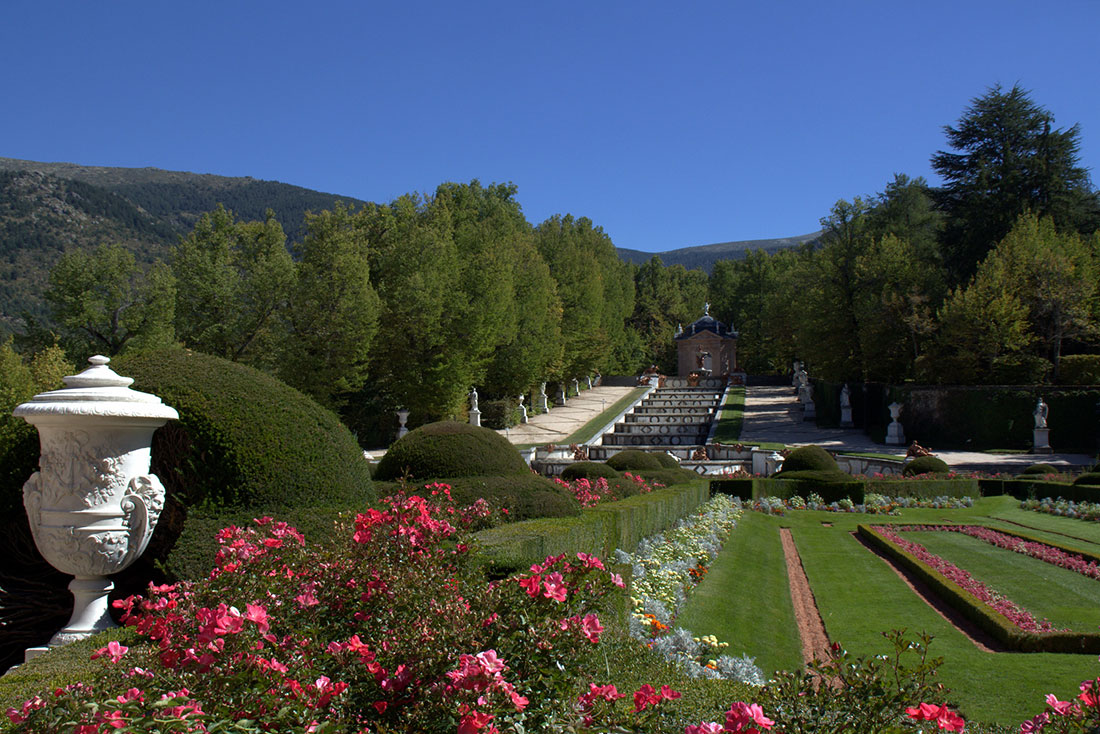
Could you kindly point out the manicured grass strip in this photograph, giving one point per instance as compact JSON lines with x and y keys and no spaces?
{"x":731,"y":416}
{"x":745,"y":600}
{"x":1084,"y":534}
{"x":588,"y":431}
{"x":859,"y":597}
{"x":1064,"y":597}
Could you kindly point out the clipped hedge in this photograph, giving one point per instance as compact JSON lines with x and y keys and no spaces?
{"x":525,"y":496}
{"x":809,"y":458}
{"x":1079,"y":369}
{"x":450,"y":449}
{"x":589,"y":470}
{"x":666,"y":460}
{"x":759,"y":487}
{"x":244,"y":438}
{"x":633,"y":460}
{"x":597,"y":530}
{"x":669,"y":476}
{"x":1091,"y":479}
{"x":990,"y":621}
{"x":925,"y":465}
{"x":1039,"y":468}
{"x":1023,"y":489}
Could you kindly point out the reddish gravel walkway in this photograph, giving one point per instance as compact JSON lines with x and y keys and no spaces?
{"x":811,"y":630}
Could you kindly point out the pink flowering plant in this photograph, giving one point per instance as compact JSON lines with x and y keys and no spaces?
{"x":1013,"y":612}
{"x":590,"y":493}
{"x":396,"y":630}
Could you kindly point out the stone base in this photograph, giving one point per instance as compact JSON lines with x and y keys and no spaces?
{"x":846,"y":418}
{"x":475,"y":417}
{"x":809,"y":411}
{"x":32,"y":652}
{"x":1042,"y":441}
{"x":895,"y":436}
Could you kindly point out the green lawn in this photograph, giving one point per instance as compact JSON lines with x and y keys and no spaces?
{"x":588,"y":430}
{"x":744,"y":599}
{"x":1083,"y":534}
{"x":860,"y":597}
{"x":731,"y":416}
{"x":1066,"y":598}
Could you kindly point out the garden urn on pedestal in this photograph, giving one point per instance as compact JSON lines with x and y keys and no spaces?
{"x":93,"y":504}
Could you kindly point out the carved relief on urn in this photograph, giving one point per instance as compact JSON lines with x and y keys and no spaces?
{"x":93,"y":505}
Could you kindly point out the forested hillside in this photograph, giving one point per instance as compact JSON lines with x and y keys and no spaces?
{"x":47,"y":209}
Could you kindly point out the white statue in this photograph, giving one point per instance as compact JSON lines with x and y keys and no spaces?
{"x":845,"y":397}
{"x":1040,"y":414}
{"x":473,"y":399}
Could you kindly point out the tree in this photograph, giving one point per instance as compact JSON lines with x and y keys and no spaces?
{"x":233,"y":282}
{"x":104,"y":302}
{"x":1010,"y":160}
{"x":333,"y":310}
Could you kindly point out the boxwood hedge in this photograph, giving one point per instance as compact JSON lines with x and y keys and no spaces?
{"x":450,"y":449}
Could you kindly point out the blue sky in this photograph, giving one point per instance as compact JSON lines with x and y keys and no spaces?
{"x":668,"y":124}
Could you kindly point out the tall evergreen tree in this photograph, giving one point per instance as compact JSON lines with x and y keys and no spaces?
{"x":1010,"y":159}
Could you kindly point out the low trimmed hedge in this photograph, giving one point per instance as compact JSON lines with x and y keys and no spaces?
{"x":597,"y":530}
{"x":751,"y":488}
{"x":526,"y":496}
{"x":666,"y":460}
{"x":1023,"y":489}
{"x":1040,"y":469}
{"x":668,"y":477}
{"x":1091,"y":479}
{"x":990,"y":621}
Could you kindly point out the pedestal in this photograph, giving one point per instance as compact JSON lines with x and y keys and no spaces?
{"x":846,"y":417}
{"x":1042,"y":441}
{"x":895,"y":435}
{"x":475,"y":417}
{"x":809,"y":410}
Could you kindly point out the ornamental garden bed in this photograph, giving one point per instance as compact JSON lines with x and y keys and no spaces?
{"x":1029,"y":595}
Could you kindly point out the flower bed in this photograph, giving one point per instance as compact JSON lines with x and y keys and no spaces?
{"x":1064,"y":508}
{"x":590,"y":493}
{"x":873,"y":504}
{"x":1000,"y":617}
{"x":1079,"y":562}
{"x":665,"y":567}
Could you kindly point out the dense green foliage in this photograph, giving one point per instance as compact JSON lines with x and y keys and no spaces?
{"x":1091,"y":479}
{"x":1040,"y":468}
{"x":634,"y":460}
{"x":926,"y":465}
{"x":589,"y":470}
{"x":812,"y":458}
{"x":450,"y":449}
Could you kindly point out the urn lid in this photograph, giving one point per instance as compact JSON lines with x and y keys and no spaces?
{"x":97,"y":391}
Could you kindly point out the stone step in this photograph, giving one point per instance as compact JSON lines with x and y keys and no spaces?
{"x":673,"y":403}
{"x":669,"y":418}
{"x":637,"y":441}
{"x":672,"y":410}
{"x":663,"y":429}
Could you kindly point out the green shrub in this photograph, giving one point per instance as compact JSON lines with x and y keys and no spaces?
{"x":1040,"y":469}
{"x":828,"y":476}
{"x":499,"y":414}
{"x":634,"y":460}
{"x":1079,"y":369}
{"x":1091,"y":479}
{"x":525,"y":496}
{"x":1019,"y":369}
{"x":245,"y":439}
{"x":811,"y":458}
{"x":589,"y":470}
{"x":666,"y":460}
{"x":450,"y":449}
{"x":925,"y":465}
{"x":669,"y":477}
{"x":245,"y":445}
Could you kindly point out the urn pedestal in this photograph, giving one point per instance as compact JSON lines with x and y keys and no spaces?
{"x":93,"y":504}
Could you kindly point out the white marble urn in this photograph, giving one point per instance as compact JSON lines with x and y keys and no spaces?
{"x":93,"y":504}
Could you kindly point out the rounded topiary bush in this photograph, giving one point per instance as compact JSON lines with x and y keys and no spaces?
{"x":669,"y":477}
{"x":826,"y":476}
{"x":245,"y":445}
{"x":589,"y":470}
{"x":809,"y":458}
{"x":1040,"y":469}
{"x":667,"y":460}
{"x":925,"y":465}
{"x":450,"y":449}
{"x":525,"y":496}
{"x":1091,"y":479}
{"x":634,"y":460}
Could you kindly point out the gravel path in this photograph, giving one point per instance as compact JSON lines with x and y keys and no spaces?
{"x":811,"y":630}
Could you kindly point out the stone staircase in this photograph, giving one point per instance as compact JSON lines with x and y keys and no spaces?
{"x":676,"y":418}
